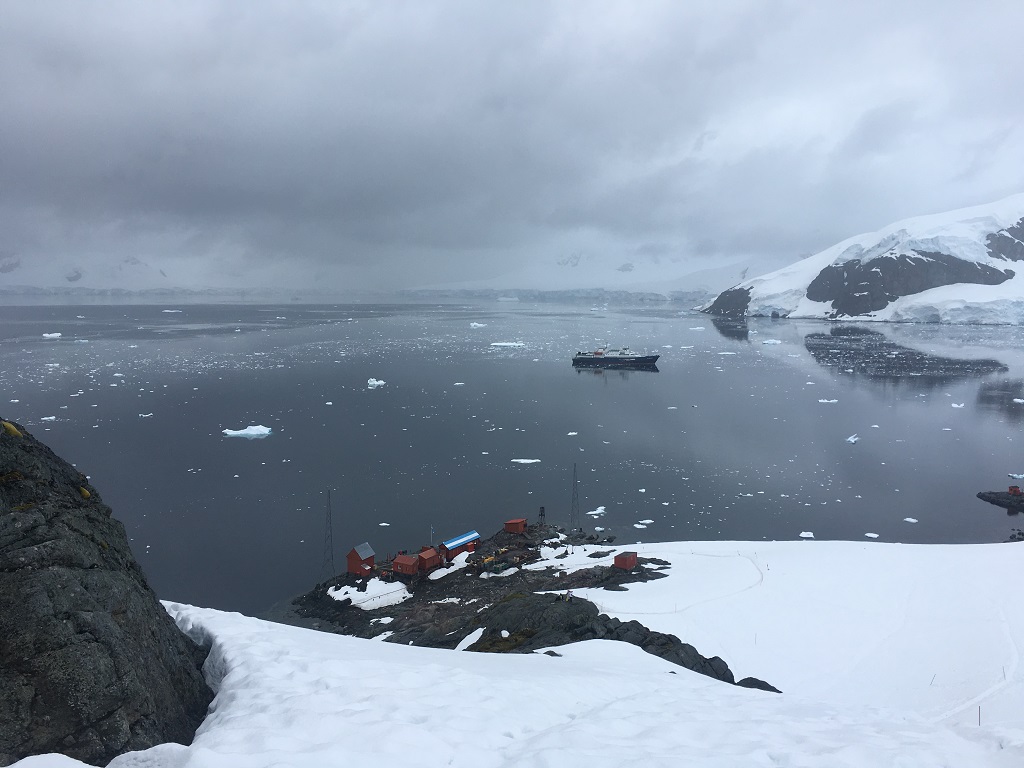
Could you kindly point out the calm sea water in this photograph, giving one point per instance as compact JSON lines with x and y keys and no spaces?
{"x":741,"y":434}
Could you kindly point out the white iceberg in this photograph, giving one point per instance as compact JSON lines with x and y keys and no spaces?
{"x":252,"y":432}
{"x":51,"y":335}
{"x":372,"y":383}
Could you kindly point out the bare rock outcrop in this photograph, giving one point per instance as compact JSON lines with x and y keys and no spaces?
{"x":91,"y":665}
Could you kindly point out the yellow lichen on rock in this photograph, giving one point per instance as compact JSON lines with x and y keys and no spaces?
{"x":11,"y":430}
{"x":85,"y":493}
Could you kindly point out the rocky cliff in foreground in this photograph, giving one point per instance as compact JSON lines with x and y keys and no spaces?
{"x":965,"y":266}
{"x":91,"y":665}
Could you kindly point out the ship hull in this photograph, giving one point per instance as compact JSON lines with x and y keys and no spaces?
{"x":601,"y":361}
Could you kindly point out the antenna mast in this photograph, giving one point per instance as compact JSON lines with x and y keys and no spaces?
{"x":574,"y":509}
{"x":327,"y":567}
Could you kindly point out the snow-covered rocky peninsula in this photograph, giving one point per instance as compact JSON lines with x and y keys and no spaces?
{"x":886,"y":654}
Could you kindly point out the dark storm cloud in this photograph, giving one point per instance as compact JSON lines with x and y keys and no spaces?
{"x":441,"y":136}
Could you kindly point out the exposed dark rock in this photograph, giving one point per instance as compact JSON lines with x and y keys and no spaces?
{"x":859,"y":351}
{"x":91,"y":665}
{"x":731,"y":303}
{"x":761,"y":685}
{"x":1007,"y":243}
{"x":857,"y":288}
{"x":1012,"y":503}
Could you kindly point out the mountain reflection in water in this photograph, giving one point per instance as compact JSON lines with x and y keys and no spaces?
{"x":862,"y":352}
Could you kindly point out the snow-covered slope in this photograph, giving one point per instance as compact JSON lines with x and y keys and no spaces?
{"x":965,"y":266}
{"x":886,"y":655}
{"x":127,"y":274}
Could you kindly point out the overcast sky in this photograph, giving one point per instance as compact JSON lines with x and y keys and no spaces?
{"x":392,"y":142}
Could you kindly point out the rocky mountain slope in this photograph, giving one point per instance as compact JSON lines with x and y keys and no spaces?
{"x":965,"y":266}
{"x":91,"y":665}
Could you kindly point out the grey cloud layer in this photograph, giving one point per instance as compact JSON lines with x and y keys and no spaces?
{"x":436,"y":136}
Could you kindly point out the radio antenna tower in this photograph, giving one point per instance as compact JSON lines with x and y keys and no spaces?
{"x":574,"y":509}
{"x":327,"y":567}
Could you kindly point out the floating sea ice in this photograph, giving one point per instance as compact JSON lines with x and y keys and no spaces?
{"x":643,"y":490}
{"x":698,"y":328}
{"x":526,"y":461}
{"x":828,"y":401}
{"x":571,"y":434}
{"x":947,"y":429}
{"x":51,"y":335}
{"x":596,"y":512}
{"x":852,"y":439}
{"x":806,"y":534}
{"x":909,"y":519}
{"x":372,"y":383}
{"x":329,"y":403}
{"x":871,"y":535}
{"x":145,"y":415}
{"x":875,"y":426}
{"x":507,"y":344}
{"x":459,"y":384}
{"x":478,"y":325}
{"x":638,"y":525}
{"x":727,"y":353}
{"x":171,"y":311}
{"x":646,"y":522}
{"x":598,"y":528}
{"x":1018,"y":400}
{"x":957,"y":405}
{"x":1015,"y":477}
{"x":48,"y":418}
{"x":673,"y":408}
{"x":384,"y":525}
{"x":253,"y":431}
{"x":770,"y":341}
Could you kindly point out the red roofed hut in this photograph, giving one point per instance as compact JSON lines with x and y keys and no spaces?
{"x":518,"y":525}
{"x":454,"y":547}
{"x":429,"y":559}
{"x":626,"y":561}
{"x":360,"y":560}
{"x":407,"y":564}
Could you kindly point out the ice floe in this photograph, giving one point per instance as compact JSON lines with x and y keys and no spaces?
{"x":372,"y":383}
{"x":253,"y":431}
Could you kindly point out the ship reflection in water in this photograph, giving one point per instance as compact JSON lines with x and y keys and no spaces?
{"x":621,"y":369}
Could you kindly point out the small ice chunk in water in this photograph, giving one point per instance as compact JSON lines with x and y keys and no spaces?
{"x":871,"y":535}
{"x":252,"y":432}
{"x":771,"y":341}
{"x":571,"y":434}
{"x":48,"y":418}
{"x":526,"y":461}
{"x":957,"y":405}
{"x":478,"y":325}
{"x":51,"y":335}
{"x":909,"y":519}
{"x":806,"y":534}
{"x":828,"y":401}
{"x":852,"y":439}
{"x":372,"y":383}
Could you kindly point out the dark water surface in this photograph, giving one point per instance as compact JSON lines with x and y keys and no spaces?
{"x":728,"y":440}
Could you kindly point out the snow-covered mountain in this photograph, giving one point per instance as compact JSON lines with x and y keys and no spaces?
{"x":128,"y":274}
{"x":965,"y":266}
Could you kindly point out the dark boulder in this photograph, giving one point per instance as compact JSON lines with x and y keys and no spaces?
{"x":91,"y":665}
{"x":730,"y":303}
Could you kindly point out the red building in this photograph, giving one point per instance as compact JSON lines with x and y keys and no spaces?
{"x":429,"y":559}
{"x":407,"y":564}
{"x":360,"y":560}
{"x":626,"y":561}
{"x":518,"y":525}
{"x":454,"y":547}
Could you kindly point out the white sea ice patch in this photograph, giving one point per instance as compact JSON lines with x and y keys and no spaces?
{"x":145,"y":415}
{"x":697,"y":328}
{"x":597,"y":512}
{"x":871,"y":535}
{"x":51,"y":335}
{"x":378,"y":594}
{"x":1015,"y":476}
{"x":806,"y":534}
{"x":909,"y":519}
{"x":828,"y":401}
{"x":852,"y":439}
{"x":639,"y":525}
{"x":372,"y":383}
{"x":48,"y":418}
{"x":957,"y":405}
{"x":645,"y":522}
{"x":252,"y":432}
{"x":384,"y":525}
{"x":478,"y":325}
{"x":771,"y":341}
{"x":507,"y":344}
{"x":526,"y":461}
{"x":171,"y":311}
{"x":571,"y":434}
{"x":459,"y":384}
{"x":1018,"y":400}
